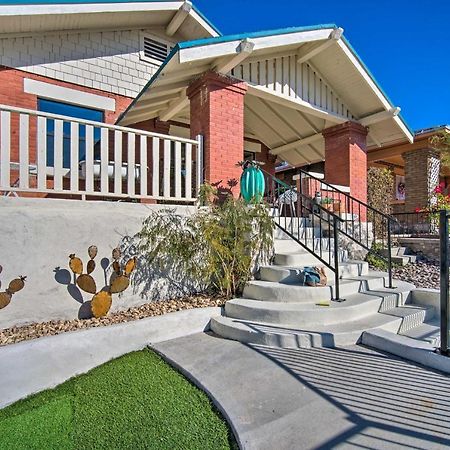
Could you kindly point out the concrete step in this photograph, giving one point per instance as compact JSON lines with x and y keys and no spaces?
{"x":291,"y":246}
{"x":413,"y":316}
{"x":428,"y":331}
{"x":296,"y":293}
{"x":326,"y":312}
{"x":342,"y":334}
{"x":406,"y":347}
{"x":395,"y":251}
{"x":305,"y":258}
{"x":403,"y":260}
{"x":289,"y":275}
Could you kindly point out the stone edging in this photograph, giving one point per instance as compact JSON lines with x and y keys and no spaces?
{"x":32,"y":366}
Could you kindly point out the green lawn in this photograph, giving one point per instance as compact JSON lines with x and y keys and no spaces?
{"x":134,"y":402}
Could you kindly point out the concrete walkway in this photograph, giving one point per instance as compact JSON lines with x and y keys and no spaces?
{"x":317,"y":398}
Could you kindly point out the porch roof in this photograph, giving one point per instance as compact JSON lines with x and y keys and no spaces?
{"x":301,"y":81}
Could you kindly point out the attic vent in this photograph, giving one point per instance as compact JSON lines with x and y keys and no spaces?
{"x":154,"y":50}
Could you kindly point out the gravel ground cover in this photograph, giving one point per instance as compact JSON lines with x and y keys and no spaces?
{"x":423,"y":274}
{"x":36,"y":330}
{"x":134,"y":402}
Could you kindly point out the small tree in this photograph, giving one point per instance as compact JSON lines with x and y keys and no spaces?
{"x":217,"y":247}
{"x":441,"y":142}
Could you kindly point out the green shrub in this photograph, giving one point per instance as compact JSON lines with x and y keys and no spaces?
{"x":380,"y":185}
{"x":217,"y":247}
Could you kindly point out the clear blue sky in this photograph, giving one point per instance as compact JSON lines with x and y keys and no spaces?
{"x":405,"y":43}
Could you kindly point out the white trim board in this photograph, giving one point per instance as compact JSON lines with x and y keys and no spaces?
{"x":67,"y":95}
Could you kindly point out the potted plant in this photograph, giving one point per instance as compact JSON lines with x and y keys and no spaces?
{"x":327,"y":203}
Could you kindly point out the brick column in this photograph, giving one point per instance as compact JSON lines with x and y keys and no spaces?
{"x":154,"y":126}
{"x":346,"y":158}
{"x":422,"y":167}
{"x":217,"y":113}
{"x":267,"y":158}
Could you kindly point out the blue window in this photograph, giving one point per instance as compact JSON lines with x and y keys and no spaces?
{"x":65,"y":109}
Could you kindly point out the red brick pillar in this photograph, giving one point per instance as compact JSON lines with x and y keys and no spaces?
{"x":346,"y":158}
{"x":267,"y":158}
{"x":154,"y":126}
{"x":217,"y":113}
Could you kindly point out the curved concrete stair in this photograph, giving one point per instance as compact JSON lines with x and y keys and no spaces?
{"x":291,"y":275}
{"x":341,"y":334}
{"x":296,"y":293}
{"x":304,"y":314}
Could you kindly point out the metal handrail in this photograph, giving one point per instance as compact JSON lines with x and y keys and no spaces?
{"x":444,"y":217}
{"x":351,"y":234}
{"x":345,"y":194}
{"x":321,"y":214}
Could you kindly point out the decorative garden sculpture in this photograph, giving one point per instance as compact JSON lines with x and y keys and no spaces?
{"x":14,"y":286}
{"x":252,"y":181}
{"x":119,"y":281}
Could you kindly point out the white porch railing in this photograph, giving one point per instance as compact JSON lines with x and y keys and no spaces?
{"x":50,"y":153}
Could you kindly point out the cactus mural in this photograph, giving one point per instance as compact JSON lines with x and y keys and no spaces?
{"x":120,"y":279}
{"x":14,"y":286}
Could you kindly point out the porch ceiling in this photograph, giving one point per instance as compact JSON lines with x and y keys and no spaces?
{"x":301,"y":81}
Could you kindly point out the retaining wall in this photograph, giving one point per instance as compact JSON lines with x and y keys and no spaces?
{"x":36,"y":238}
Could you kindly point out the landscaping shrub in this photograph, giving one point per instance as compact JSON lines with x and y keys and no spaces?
{"x":380,"y":184}
{"x":217,"y":247}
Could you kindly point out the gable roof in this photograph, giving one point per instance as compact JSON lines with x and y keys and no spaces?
{"x":67,"y":15}
{"x":282,"y":112}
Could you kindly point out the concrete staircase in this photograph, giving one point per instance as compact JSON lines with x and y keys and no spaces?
{"x":277,"y":310}
{"x":400,"y":255}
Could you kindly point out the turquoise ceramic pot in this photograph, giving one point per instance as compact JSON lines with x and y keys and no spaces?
{"x":252,"y":184}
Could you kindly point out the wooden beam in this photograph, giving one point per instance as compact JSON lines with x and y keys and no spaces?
{"x":183,"y":74}
{"x":146,"y":104}
{"x":244,"y":49}
{"x":291,"y":145}
{"x":178,"y":19}
{"x":174,"y":108}
{"x":379,"y":116}
{"x":136,"y":118}
{"x":308,"y":53}
{"x":295,"y":103}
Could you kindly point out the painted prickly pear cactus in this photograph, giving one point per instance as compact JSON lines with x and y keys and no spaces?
{"x":14,"y":286}
{"x":252,"y":182}
{"x":102,"y":300}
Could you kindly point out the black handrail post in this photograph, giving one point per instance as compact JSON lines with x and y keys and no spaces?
{"x":337,"y":297}
{"x":443,"y":232}
{"x":389,"y":254}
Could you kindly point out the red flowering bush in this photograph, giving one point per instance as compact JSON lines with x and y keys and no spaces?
{"x":439,"y":200}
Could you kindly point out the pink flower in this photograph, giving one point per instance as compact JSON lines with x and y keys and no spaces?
{"x":438,"y":189}
{"x":417,"y":210}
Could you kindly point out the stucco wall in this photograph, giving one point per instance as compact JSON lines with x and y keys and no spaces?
{"x":36,"y":237}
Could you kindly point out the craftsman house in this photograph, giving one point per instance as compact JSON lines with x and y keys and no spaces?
{"x":145,"y":100}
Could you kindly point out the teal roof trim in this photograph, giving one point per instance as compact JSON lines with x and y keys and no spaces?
{"x":78,"y":2}
{"x":371,"y":75}
{"x":255,"y":34}
{"x":149,"y":83}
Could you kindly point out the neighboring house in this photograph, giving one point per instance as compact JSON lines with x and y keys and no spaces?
{"x":85,"y":87}
{"x":416,"y":167}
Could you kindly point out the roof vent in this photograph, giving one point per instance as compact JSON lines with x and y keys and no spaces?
{"x":154,"y":50}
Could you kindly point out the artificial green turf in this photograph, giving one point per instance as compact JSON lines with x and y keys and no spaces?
{"x":133,"y":402}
